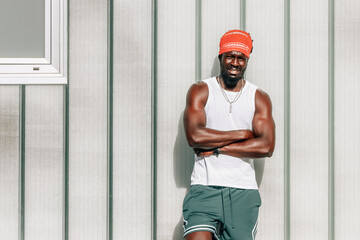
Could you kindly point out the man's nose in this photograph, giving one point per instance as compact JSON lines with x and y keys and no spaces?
{"x":235,"y":61}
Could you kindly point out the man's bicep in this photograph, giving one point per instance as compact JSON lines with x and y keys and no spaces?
{"x":195,"y":115}
{"x":195,"y":106}
{"x":264,"y":127}
{"x":263,"y":122}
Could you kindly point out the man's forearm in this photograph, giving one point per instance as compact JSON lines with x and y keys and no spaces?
{"x":206,"y":138}
{"x":255,"y":148}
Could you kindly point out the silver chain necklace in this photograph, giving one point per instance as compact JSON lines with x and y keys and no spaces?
{"x":226,"y":96}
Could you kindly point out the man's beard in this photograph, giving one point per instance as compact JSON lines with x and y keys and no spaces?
{"x":230,"y":83}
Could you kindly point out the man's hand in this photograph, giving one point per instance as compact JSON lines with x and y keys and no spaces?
{"x":203,"y":152}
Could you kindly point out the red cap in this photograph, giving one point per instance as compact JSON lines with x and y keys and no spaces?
{"x":236,"y":40}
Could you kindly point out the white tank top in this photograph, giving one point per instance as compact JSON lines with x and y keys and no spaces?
{"x":226,"y":170}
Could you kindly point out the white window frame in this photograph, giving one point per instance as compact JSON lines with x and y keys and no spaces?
{"x":49,"y":70}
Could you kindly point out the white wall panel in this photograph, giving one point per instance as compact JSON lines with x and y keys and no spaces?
{"x":308,"y":120}
{"x":266,"y":70}
{"x":88,"y":118}
{"x":347,"y":114}
{"x":176,"y":73}
{"x":132,"y":201}
{"x":9,"y":161}
{"x":43,"y":162}
{"x":218,"y":17}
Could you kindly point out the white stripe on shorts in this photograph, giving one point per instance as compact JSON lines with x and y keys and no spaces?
{"x":254,"y":231}
{"x":207,"y":228}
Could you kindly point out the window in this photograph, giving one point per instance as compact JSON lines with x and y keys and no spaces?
{"x":33,"y":42}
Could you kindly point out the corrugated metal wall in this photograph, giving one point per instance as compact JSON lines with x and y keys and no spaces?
{"x":105,"y":157}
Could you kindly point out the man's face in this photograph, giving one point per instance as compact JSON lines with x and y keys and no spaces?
{"x":233,"y":65}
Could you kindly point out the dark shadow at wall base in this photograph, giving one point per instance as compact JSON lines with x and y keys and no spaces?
{"x":178,"y":231}
{"x":183,"y":165}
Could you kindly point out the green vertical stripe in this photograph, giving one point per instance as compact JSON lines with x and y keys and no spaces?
{"x":154,"y":119}
{"x":22,"y":164}
{"x":110,"y":76}
{"x":287,"y":120}
{"x":331,"y":144}
{"x":243,"y":15}
{"x":66,"y":163}
{"x":198,"y":75}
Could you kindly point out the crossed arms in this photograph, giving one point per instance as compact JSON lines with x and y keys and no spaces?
{"x":237,"y":143}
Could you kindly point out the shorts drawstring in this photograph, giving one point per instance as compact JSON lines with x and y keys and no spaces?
{"x":231,"y":209}
{"x":223,"y":206}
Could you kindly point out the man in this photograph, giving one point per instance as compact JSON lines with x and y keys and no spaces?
{"x":227,"y":121}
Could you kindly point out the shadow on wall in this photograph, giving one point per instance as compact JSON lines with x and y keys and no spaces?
{"x":215,"y":71}
{"x":183,"y":165}
{"x":259,"y":165}
{"x":183,"y":158}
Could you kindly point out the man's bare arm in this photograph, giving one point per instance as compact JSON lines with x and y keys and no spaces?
{"x":263,"y":143}
{"x":197,"y":134}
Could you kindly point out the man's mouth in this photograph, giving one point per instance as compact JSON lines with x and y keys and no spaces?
{"x":234,"y":71}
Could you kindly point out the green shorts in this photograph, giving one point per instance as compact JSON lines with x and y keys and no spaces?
{"x":228,"y":213}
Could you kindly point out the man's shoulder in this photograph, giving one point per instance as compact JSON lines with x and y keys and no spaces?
{"x":199,"y":86}
{"x":198,"y":90}
{"x":260,"y":93}
{"x":203,"y":85}
{"x":262,"y":99}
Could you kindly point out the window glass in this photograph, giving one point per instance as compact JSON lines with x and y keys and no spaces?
{"x":22,"y":29}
